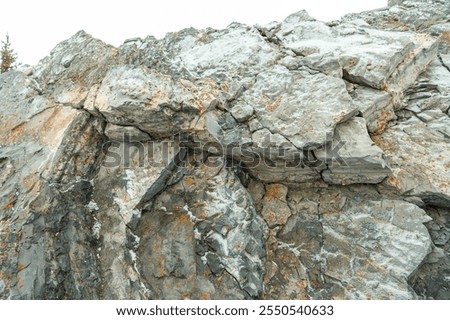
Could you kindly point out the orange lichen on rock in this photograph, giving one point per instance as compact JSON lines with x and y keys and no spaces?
{"x":275,"y":191}
{"x":10,"y":203}
{"x":394,"y":182}
{"x":445,"y":37}
{"x":274,"y":106}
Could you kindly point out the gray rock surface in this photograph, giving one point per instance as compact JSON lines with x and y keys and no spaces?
{"x":338,"y":241}
{"x":431,"y":280}
{"x":359,"y":160}
{"x":200,"y":232}
{"x":125,"y":133}
{"x":294,"y":160}
{"x":419,"y":158}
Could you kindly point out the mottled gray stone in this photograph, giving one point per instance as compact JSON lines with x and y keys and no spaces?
{"x":238,"y":50}
{"x":119,"y":188}
{"x":244,"y":163}
{"x":207,"y":225}
{"x":275,"y":210}
{"x":419,"y":157}
{"x":125,"y":133}
{"x":242,"y":112}
{"x":299,"y":106}
{"x":376,"y":226}
{"x":42,"y":200}
{"x":138,"y":96}
{"x":353,"y":157}
{"x":413,"y":15}
{"x":376,"y":106}
{"x":368,"y":62}
{"x":20,"y":101}
{"x":344,"y":250}
{"x":431,"y":280}
{"x":67,"y":75}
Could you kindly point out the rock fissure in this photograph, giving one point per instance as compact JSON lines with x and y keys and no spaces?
{"x":443,"y":63}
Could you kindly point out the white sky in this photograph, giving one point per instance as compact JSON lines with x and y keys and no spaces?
{"x":36,"y":26}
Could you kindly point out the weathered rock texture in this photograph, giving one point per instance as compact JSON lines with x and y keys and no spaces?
{"x":295,"y":160}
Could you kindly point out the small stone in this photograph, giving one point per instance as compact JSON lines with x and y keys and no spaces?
{"x":255,"y":125}
{"x":242,"y":112}
{"x":275,"y":209}
{"x":256,"y":189}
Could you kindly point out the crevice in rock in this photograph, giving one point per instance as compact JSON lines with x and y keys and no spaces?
{"x":443,"y":63}
{"x":162,"y":180}
{"x":270,"y":37}
{"x":354,"y":80}
{"x":250,"y":296}
{"x":431,"y":279}
{"x":271,"y":132}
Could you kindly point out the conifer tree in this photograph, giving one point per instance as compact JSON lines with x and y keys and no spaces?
{"x":8,"y":56}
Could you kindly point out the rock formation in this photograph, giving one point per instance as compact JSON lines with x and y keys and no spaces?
{"x":294,"y":160}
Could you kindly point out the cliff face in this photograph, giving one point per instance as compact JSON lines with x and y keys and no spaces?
{"x":296,"y":160}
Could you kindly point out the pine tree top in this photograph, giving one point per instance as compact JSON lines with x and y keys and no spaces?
{"x":8,"y":56}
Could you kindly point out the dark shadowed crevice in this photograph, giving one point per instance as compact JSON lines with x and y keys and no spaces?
{"x":432,"y":279}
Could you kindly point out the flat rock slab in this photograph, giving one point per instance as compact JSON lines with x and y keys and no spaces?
{"x":352,"y":157}
{"x":301,"y":106}
{"x":387,"y":244}
{"x":125,"y":133}
{"x":420,"y":161}
{"x":367,"y":56}
{"x":238,"y":50}
{"x":346,"y":243}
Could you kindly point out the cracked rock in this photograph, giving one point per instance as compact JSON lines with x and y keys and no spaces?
{"x":358,"y":160}
{"x":275,"y":209}
{"x":295,"y":160}
{"x":207,"y":225}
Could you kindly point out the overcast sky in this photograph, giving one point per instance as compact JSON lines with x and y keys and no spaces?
{"x":35,"y":27}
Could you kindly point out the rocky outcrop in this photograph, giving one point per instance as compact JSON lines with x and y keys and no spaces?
{"x":295,"y":160}
{"x":345,"y":243}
